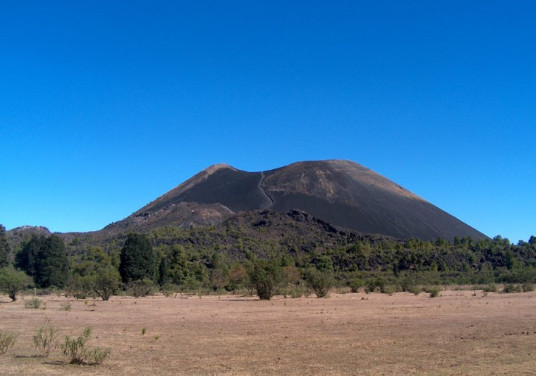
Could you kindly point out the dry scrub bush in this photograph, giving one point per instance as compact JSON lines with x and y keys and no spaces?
{"x":32,"y":303}
{"x":295,"y":291}
{"x":77,"y":352}
{"x":7,"y":340}
{"x":45,"y":340}
{"x":66,"y":306}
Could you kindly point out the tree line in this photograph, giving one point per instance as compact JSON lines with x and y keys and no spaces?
{"x":147,"y":262}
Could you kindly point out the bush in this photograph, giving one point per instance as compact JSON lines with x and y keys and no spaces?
{"x":298,"y":291}
{"x":80,"y":286}
{"x":7,"y":340}
{"x":66,"y":306}
{"x":433,"y":291}
{"x":388,"y":289}
{"x":264,"y":277}
{"x":76,"y":351}
{"x":292,"y":291}
{"x":105,"y":282}
{"x":511,"y":288}
{"x":527,"y":287}
{"x":319,"y":282}
{"x":375,"y":283}
{"x":415,"y":290}
{"x":491,"y":287}
{"x":408,"y":284}
{"x":169,"y":289}
{"x":12,"y":281}
{"x":355,"y":284}
{"x":141,"y":288}
{"x":32,"y":303}
{"x":45,"y":340}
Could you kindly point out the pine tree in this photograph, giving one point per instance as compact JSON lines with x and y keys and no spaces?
{"x":137,"y":259}
{"x":26,"y":259}
{"x":52,"y":266}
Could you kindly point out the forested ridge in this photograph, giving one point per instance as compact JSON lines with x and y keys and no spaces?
{"x":295,"y":247}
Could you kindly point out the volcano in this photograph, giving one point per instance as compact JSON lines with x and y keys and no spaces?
{"x":342,"y":193}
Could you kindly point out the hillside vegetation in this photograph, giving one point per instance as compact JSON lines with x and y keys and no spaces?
{"x":298,"y":252}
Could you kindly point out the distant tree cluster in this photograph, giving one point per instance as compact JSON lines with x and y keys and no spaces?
{"x":372,"y":263}
{"x":232,"y":258}
{"x":45,"y":260}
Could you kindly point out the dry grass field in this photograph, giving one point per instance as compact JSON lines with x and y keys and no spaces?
{"x":458,"y":333}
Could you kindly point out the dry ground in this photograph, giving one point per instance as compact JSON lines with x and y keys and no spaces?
{"x":458,"y":333}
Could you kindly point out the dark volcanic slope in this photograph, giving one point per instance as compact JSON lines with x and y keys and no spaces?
{"x":343,"y":193}
{"x":223,"y":184}
{"x":347,"y":194}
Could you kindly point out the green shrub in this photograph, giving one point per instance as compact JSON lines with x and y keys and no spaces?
{"x":319,"y":282}
{"x":105,"y":282}
{"x":375,"y":283}
{"x":45,"y":340}
{"x":76,"y":351}
{"x":343,"y":290}
{"x":388,"y":289}
{"x":415,"y":290}
{"x":141,"y":288}
{"x":299,"y":291}
{"x":370,"y":286}
{"x":294,"y":291}
{"x":491,"y":287}
{"x":355,"y":284}
{"x":7,"y":340}
{"x":169,"y":289}
{"x":408,"y":284}
{"x":80,"y":286}
{"x":511,"y":288}
{"x":527,"y":287}
{"x":433,"y":291}
{"x":264,"y":277}
{"x":12,"y":281}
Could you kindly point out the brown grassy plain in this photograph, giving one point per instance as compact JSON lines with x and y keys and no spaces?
{"x":458,"y":333}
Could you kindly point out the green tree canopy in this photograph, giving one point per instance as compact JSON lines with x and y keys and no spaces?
{"x":52,"y":266}
{"x":45,"y":260}
{"x":12,"y":281}
{"x":137,"y":259}
{"x":94,"y":274}
{"x":4,"y":247}
{"x":26,"y":259}
{"x":105,"y":282}
{"x":264,"y":276}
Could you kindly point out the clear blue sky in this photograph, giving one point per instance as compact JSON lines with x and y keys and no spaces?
{"x":106,"y":105}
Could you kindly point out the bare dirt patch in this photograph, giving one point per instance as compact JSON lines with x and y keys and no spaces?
{"x":458,"y":333}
